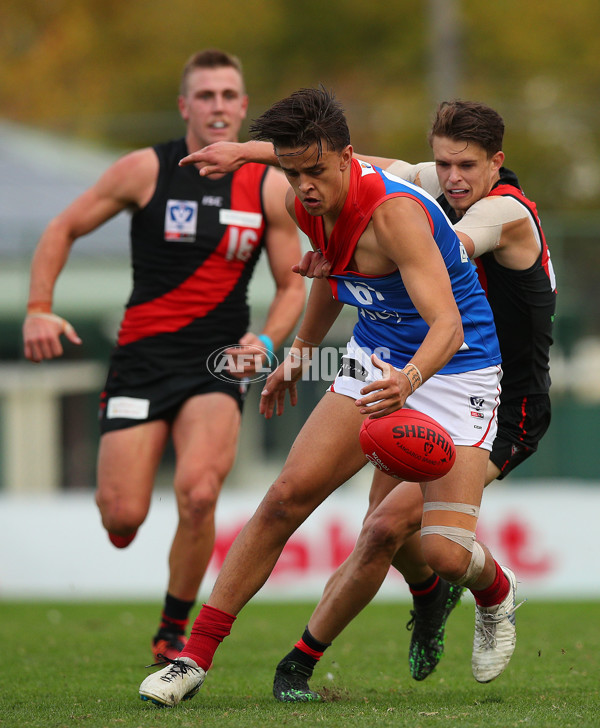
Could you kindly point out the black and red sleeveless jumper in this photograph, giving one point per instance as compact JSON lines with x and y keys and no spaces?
{"x":523,"y":303}
{"x":194,"y":247}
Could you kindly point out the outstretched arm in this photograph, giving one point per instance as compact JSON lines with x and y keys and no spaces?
{"x":222,"y":157}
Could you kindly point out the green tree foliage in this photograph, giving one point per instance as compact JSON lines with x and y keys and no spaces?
{"x":108,"y":70}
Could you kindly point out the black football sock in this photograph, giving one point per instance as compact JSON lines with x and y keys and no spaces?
{"x":426,"y":592}
{"x":175,"y":615}
{"x":307,"y":651}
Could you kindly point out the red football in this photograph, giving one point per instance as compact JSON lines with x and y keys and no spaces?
{"x":408,"y":445}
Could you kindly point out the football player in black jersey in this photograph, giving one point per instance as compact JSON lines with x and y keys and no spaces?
{"x":194,"y":242}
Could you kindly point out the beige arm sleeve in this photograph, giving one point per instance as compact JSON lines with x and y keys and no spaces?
{"x":423,"y":175}
{"x":483,"y":221}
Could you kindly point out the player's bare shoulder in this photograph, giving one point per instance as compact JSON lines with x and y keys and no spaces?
{"x":400,"y":221}
{"x":279,"y":196}
{"x":276,"y":184}
{"x":132,"y":178}
{"x":383,"y":242}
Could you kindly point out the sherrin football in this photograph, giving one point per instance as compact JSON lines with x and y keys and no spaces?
{"x":408,"y":445}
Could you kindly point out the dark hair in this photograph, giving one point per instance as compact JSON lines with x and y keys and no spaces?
{"x":209,"y":58}
{"x":309,"y":116}
{"x":469,"y":121}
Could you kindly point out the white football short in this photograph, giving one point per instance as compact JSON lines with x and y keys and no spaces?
{"x":465,"y":404}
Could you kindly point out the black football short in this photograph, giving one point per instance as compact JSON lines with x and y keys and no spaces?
{"x":521,"y":425}
{"x":129,"y":400}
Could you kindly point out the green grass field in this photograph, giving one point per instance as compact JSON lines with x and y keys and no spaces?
{"x":79,"y":665}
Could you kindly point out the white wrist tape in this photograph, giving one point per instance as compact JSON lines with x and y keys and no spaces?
{"x":66,"y":327}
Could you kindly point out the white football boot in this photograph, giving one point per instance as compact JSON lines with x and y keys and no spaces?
{"x":495,"y":635}
{"x":180,"y":680}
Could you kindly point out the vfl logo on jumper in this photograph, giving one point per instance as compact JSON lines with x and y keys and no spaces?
{"x":476,"y":404}
{"x":429,"y":439}
{"x":181,"y":218}
{"x":366,"y":295}
{"x":365,"y":168}
{"x":224,"y":365}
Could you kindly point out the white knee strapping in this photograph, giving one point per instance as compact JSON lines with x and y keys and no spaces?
{"x":466,"y":539}
{"x":462,"y":536}
{"x":474,"y":568}
{"x":456,"y":507}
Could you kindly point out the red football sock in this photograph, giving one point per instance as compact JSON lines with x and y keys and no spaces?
{"x":495,"y":592}
{"x":121,"y":542}
{"x":211,"y":627}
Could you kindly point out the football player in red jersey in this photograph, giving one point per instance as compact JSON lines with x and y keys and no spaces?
{"x":499,"y":227}
{"x":194,"y":242}
{"x":395,"y":257}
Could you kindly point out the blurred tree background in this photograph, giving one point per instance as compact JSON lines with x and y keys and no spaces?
{"x":107,"y":72}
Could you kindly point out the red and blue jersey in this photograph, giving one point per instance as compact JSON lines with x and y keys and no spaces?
{"x":387,"y":318}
